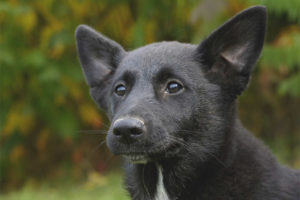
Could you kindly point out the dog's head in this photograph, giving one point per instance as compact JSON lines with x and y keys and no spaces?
{"x":164,"y":98}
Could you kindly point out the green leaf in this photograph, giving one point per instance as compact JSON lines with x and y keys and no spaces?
{"x":291,"y":86}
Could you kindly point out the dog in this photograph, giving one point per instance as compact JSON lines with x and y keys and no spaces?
{"x":172,"y":108}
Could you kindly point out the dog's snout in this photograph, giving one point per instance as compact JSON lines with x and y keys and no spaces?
{"x":128,"y":130}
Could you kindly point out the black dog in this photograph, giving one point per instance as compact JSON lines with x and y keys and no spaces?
{"x":172,"y":108}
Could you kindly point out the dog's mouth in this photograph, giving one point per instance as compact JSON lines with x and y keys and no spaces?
{"x":137,"y":158}
{"x":159,"y":153}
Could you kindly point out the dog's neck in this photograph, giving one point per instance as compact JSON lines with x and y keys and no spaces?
{"x":166,"y":181}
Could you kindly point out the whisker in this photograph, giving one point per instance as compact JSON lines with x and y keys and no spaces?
{"x":217,"y":159}
{"x":105,"y":125}
{"x":177,"y":140}
{"x":102,"y":123}
{"x":188,"y":145}
{"x":187,"y":131}
{"x":96,"y":132}
{"x":97,"y":147}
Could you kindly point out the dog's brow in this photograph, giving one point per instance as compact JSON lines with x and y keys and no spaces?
{"x":127,"y":76}
{"x":163,"y":73}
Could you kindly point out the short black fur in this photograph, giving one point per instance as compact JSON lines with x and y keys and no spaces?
{"x":191,"y":136}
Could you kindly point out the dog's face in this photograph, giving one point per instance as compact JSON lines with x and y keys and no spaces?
{"x":155,"y":91}
{"x":164,"y":98}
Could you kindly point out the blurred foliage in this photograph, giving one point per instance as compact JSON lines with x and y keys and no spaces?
{"x":100,"y":187}
{"x":45,"y":102}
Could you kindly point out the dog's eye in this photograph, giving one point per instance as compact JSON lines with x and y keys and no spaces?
{"x":120,"y":90}
{"x":173,"y":87}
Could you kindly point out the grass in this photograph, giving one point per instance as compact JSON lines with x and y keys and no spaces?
{"x":96,"y":187}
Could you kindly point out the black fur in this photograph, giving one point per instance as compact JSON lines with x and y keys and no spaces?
{"x":193,"y":135}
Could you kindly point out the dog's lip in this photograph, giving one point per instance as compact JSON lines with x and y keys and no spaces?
{"x":137,"y":158}
{"x":158,"y":152}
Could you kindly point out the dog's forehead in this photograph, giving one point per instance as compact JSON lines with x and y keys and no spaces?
{"x":152,"y":57}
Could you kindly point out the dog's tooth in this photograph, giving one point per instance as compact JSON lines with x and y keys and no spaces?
{"x":136,"y":157}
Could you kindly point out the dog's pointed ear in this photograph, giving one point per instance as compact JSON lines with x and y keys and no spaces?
{"x":231,"y":51}
{"x":99,"y":56}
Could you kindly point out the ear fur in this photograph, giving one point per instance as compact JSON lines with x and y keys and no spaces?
{"x":98,"y":55}
{"x":232,"y":50}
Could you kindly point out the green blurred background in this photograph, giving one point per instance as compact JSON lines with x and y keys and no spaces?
{"x":49,"y":143}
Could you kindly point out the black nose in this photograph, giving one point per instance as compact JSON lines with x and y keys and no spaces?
{"x":128,"y":130}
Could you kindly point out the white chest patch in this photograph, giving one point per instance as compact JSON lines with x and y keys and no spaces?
{"x":161,"y":193}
